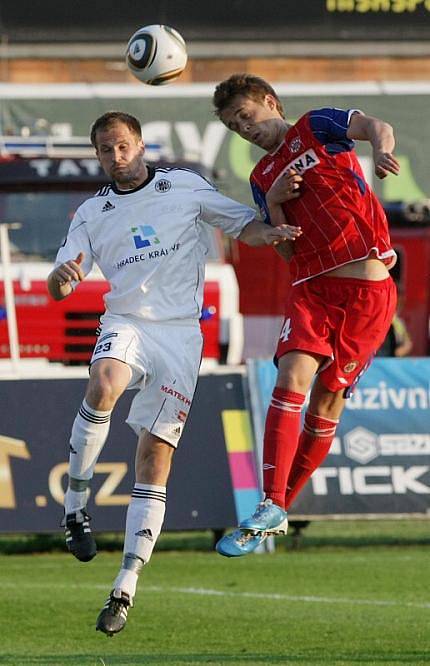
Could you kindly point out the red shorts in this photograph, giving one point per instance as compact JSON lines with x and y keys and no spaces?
{"x":345,"y":319}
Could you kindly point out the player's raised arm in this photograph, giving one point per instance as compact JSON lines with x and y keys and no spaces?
{"x":258,"y":233}
{"x":381,"y":135}
{"x":60,"y":280}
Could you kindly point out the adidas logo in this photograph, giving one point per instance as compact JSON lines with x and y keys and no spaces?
{"x":107,"y":206}
{"x":145,"y":533}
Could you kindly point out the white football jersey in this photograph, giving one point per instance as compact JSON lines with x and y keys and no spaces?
{"x":149,"y":242}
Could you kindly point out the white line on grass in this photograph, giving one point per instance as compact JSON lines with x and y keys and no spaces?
{"x":289,"y":597}
{"x":201,"y":591}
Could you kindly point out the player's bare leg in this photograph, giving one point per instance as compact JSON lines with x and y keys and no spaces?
{"x":145,"y":518}
{"x":325,"y":403}
{"x":108,"y":380}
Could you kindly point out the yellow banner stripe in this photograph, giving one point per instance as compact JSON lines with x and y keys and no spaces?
{"x":237,"y":430}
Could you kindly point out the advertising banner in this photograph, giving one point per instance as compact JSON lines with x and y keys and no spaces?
{"x":239,"y":20}
{"x":213,"y":481}
{"x":180,"y":120}
{"x":379,"y":462}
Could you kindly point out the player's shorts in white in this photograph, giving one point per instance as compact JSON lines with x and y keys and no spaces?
{"x":164,"y":358}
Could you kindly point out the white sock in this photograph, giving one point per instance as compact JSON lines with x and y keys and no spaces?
{"x":75,"y":500}
{"x":145,"y":516}
{"x":89,"y":433}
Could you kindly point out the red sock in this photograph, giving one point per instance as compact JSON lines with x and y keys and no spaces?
{"x":314,"y":445}
{"x":281,"y":436}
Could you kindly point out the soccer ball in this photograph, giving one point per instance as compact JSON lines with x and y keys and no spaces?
{"x":156,"y":54}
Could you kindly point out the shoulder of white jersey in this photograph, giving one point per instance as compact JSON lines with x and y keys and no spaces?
{"x":93,"y":202}
{"x":104,"y":191}
{"x":185,"y":176}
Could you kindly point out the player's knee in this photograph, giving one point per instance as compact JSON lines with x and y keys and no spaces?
{"x":293,"y":381}
{"x":102,"y":393}
{"x":296,"y":371}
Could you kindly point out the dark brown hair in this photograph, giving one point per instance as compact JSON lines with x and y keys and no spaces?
{"x":243,"y":84}
{"x":111,"y":118}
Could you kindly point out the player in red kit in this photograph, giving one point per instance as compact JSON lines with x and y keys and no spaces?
{"x":342,"y":299}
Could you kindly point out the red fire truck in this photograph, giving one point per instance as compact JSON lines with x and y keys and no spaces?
{"x":42,"y":182}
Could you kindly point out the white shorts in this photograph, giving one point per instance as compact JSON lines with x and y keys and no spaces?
{"x":164,"y":358}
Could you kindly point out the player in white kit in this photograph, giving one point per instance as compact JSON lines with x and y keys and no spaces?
{"x":145,"y":233}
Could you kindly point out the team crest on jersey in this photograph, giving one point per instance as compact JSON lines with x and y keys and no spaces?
{"x":350,"y":367}
{"x":295,"y":144}
{"x":163,"y":185}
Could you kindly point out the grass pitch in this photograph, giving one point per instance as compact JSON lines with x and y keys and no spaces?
{"x":329,"y":602}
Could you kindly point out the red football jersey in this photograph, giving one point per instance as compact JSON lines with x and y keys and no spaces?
{"x":340,"y":216}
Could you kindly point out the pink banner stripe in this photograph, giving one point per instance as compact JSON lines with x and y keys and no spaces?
{"x":242,"y":469}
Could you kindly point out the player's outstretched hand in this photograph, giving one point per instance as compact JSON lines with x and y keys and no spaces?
{"x":284,"y":232}
{"x":285,"y":188}
{"x":70,"y":271}
{"x":385,"y":163}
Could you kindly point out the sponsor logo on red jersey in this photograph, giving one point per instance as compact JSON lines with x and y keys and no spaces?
{"x":303,"y":162}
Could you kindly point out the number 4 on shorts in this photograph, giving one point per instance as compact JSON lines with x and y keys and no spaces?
{"x":286,"y":330}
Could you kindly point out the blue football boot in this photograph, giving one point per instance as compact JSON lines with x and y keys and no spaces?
{"x":239,"y":543}
{"x":267,"y":519}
